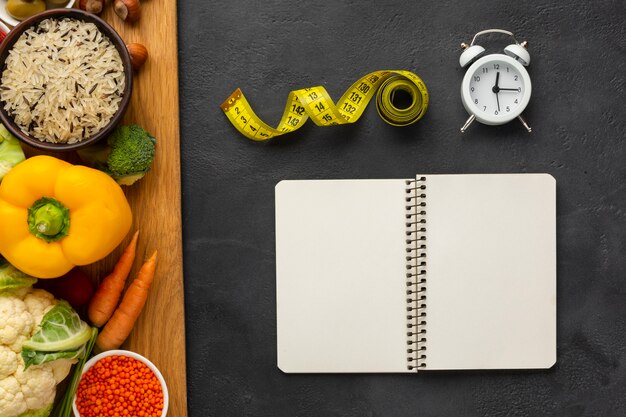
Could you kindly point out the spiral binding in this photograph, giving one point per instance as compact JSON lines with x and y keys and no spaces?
{"x":416,"y":273}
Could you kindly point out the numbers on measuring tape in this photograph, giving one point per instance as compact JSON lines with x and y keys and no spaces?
{"x":355,"y":97}
{"x":349,"y":108}
{"x":315,"y":103}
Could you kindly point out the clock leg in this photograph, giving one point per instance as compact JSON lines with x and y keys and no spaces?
{"x":467,"y":123}
{"x":521,"y":119}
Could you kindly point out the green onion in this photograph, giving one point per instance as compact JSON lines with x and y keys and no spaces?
{"x":64,"y":407}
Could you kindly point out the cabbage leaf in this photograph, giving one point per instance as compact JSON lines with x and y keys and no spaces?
{"x":61,"y":329}
{"x":11,"y":152}
{"x":12,"y":278}
{"x":35,"y":357}
{"x":42,"y":412}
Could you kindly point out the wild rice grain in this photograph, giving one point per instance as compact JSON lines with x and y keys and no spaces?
{"x":57,"y":57}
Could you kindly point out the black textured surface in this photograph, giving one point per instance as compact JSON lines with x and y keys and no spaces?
{"x":268,"y":48}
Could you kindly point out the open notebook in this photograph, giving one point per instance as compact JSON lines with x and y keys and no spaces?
{"x":437,"y":272}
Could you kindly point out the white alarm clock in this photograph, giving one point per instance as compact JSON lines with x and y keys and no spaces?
{"x":496,"y":87}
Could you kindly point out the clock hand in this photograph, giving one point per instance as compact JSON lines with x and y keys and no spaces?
{"x":509,"y":89}
{"x":496,"y":89}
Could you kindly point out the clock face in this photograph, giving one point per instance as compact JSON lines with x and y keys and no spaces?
{"x":496,"y":89}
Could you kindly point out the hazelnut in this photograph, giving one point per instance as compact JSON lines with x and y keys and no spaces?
{"x":91,"y":6}
{"x":129,"y":10}
{"x":138,"y":55}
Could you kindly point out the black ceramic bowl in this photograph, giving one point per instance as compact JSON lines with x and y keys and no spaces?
{"x":107,"y":30}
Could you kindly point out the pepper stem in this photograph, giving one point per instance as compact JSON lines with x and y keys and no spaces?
{"x":49,"y":219}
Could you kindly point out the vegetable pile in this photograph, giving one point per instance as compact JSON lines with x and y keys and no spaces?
{"x":54,"y":218}
{"x":40,"y":339}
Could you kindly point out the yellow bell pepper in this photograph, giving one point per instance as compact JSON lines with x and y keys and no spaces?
{"x":55,"y":215}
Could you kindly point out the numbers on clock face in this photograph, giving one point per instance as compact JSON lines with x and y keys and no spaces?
{"x":496,"y":88}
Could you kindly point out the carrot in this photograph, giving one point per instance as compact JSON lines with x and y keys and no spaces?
{"x":108,"y":294}
{"x":121,"y":324}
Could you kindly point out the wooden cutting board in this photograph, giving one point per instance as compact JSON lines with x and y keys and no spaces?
{"x":159,"y":333}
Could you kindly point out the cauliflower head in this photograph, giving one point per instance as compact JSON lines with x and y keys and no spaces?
{"x":31,"y":391}
{"x":17,"y":322}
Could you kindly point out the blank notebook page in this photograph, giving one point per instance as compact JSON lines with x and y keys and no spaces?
{"x":491,"y":271}
{"x":340,"y":267}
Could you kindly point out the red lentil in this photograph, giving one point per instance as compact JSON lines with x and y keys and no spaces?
{"x":119,"y":386}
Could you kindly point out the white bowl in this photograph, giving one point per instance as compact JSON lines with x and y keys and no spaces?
{"x":13,"y":22}
{"x":91,"y":362}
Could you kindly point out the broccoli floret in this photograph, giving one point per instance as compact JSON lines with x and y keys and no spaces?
{"x":11,"y":152}
{"x":132,"y":153}
{"x":126,"y":156}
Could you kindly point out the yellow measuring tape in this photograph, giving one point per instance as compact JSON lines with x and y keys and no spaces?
{"x":315,"y":103}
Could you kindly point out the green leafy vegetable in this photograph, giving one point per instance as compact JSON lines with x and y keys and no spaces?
{"x":127,"y":155}
{"x":61,"y":335}
{"x":34,"y":357}
{"x":64,"y":407}
{"x":43,"y":412}
{"x":11,"y":152}
{"x":61,"y":329}
{"x":12,"y":278}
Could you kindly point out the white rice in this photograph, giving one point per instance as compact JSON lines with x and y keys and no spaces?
{"x":63,"y":81}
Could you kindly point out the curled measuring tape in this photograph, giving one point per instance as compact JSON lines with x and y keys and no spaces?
{"x":315,"y":103}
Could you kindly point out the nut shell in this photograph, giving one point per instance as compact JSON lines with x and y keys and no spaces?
{"x":91,"y":6}
{"x":138,"y":55}
{"x":128,"y":10}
